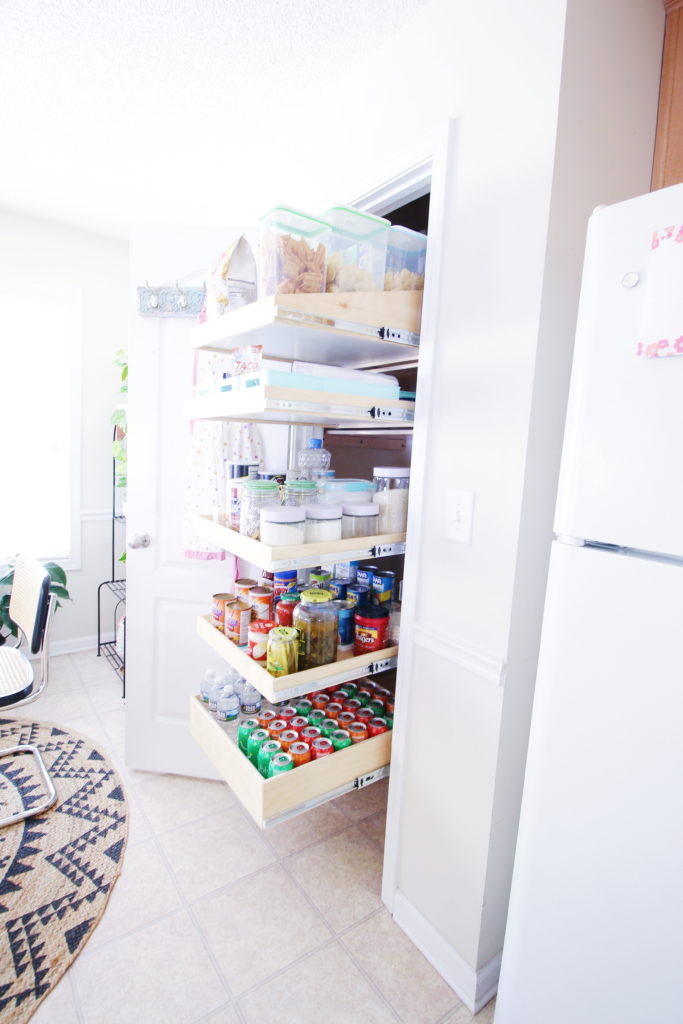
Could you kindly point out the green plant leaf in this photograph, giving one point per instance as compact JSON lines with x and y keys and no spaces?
{"x":56,"y":572}
{"x":118,"y":449}
{"x":119,"y":417}
{"x":122,"y":557}
{"x":60,"y":592}
{"x":124,"y":372}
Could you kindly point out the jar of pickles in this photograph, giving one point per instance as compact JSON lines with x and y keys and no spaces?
{"x":256,"y":494}
{"x":316,"y":619}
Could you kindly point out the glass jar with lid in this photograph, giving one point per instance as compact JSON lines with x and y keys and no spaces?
{"x":256,"y":494}
{"x":391,"y":497}
{"x":323,"y":522}
{"x":282,"y":525}
{"x":360,"y":520}
{"x":301,"y":492}
{"x":316,"y":619}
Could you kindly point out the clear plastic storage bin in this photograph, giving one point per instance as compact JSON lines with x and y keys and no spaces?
{"x":357,"y":250}
{"x":392,"y":484}
{"x":406,"y":258}
{"x":360,"y":520}
{"x":345,"y":491}
{"x":293,"y":252}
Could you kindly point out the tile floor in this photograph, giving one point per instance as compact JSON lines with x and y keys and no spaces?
{"x":213,"y":920}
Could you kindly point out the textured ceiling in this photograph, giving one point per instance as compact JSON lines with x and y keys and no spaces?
{"x":134,"y":111}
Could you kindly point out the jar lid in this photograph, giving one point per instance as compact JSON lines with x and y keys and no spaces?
{"x":284,"y":633}
{"x":314,"y":442}
{"x":365,"y":509}
{"x":391,"y":471}
{"x":301,"y":485}
{"x":316,"y":596}
{"x":289,"y":596}
{"x":260,"y":626}
{"x":261,"y":486}
{"x":324,"y":512}
{"x":372,"y":613}
{"x":348,"y":484}
{"x":282,"y":514}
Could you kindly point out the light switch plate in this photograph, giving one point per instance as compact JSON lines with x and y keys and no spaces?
{"x":459,"y":514}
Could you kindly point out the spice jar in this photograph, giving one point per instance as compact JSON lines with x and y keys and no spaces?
{"x":281,"y":525}
{"x":391,"y":497}
{"x":316,"y":619}
{"x":360,"y":520}
{"x":323,"y":522}
{"x":256,"y":494}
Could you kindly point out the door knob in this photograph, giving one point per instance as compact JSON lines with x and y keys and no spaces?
{"x":140,"y":540}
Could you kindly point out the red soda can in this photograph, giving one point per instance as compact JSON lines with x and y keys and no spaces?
{"x":375,"y":727}
{"x":352,"y":704}
{"x":298,"y":723}
{"x":310,"y":733}
{"x":300,"y":753}
{"x":321,"y":747}
{"x":339,"y":696}
{"x":365,"y":715}
{"x":287,"y":712}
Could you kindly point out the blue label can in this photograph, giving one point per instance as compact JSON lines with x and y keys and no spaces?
{"x":358,"y":595}
{"x":383,"y":584}
{"x":346,"y":623}
{"x":338,"y":588}
{"x":365,"y":575}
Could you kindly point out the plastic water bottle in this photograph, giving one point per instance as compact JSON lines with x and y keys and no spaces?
{"x":238,"y":685}
{"x":207,"y":683}
{"x":251,"y":700}
{"x":215,"y":692}
{"x":228,"y":706}
{"x":313,"y":461}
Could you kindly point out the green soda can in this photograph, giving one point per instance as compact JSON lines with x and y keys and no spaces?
{"x":316,"y":717}
{"x":340,"y":739}
{"x":377,"y":706}
{"x":254,"y":741}
{"x":280,"y":763}
{"x":350,"y":689}
{"x":389,"y":721}
{"x":327,"y":727}
{"x":304,"y":707}
{"x":267,"y":752}
{"x":244,"y":731}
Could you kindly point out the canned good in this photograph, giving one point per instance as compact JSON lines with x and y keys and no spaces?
{"x":358,"y":594}
{"x":266,"y":752}
{"x":377,"y":726}
{"x":284,"y":609}
{"x":389,"y":705}
{"x":243,"y":586}
{"x":256,"y":738}
{"x":266,"y":717}
{"x":358,"y":731}
{"x":365,"y":574}
{"x":381,"y":691}
{"x":282,"y":654}
{"x":319,"y":578}
{"x":340,"y":739}
{"x":316,"y":716}
{"x":280,"y":763}
{"x":244,"y":731}
{"x":350,"y":688}
{"x":304,"y":706}
{"x":267,"y":579}
{"x":334,"y":709}
{"x":298,"y":723}
{"x":237,"y":619}
{"x":371,"y":628}
{"x":338,"y":588}
{"x":300,"y":753}
{"x":344,"y":621}
{"x":321,"y":747}
{"x":321,"y":700}
{"x":288,"y":737}
{"x":218,"y":609}
{"x":389,"y":720}
{"x":257,"y":639}
{"x":345,"y":719}
{"x":287,"y":711}
{"x":338,"y":697}
{"x":377,"y":705}
{"x":364,"y":695}
{"x":383,"y":586}
{"x":328,"y":726}
{"x":365,"y":715}
{"x":310,"y":733}
{"x":353,"y":705}
{"x":284,"y":582}
{"x":277,"y":726}
{"x":261,"y":602}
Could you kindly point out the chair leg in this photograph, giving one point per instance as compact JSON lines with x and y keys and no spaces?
{"x":50,"y":799}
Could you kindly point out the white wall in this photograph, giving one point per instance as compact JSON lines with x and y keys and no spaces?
{"x":33,"y":248}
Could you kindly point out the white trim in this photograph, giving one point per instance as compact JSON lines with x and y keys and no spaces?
{"x":410,"y":184}
{"x":475,"y":987}
{"x":474,"y":661}
{"x":96,"y":515}
{"x":71,"y":645}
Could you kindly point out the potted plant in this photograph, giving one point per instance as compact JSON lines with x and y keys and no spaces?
{"x":57,"y":587}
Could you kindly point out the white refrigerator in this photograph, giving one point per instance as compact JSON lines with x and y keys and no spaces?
{"x":595,"y":925}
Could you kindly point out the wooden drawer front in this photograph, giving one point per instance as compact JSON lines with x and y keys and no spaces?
{"x":278,"y":688}
{"x":270,"y":800}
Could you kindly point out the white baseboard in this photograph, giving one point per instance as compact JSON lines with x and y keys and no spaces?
{"x":475,"y":987}
{"x":78,"y":643}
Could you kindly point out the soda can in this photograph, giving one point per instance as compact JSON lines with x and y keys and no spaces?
{"x":266,"y":717}
{"x":383,"y":585}
{"x":338,"y":697}
{"x":345,"y":719}
{"x":378,"y":706}
{"x":340,"y":739}
{"x":358,"y":594}
{"x":328,"y":726}
{"x":365,"y":575}
{"x":266,"y":752}
{"x":364,"y":695}
{"x":288,"y":737}
{"x":300,"y":753}
{"x":381,"y":691}
{"x":284,"y":582}
{"x":338,"y":588}
{"x":280,"y":763}
{"x":389,"y":705}
{"x":321,"y":747}
{"x":310,"y":733}
{"x":237,"y":619}
{"x":277,"y":726}
{"x":321,"y":700}
{"x":317,"y":716}
{"x":377,"y":726}
{"x":261,"y":602}
{"x":243,"y":586}
{"x":298,"y":723}
{"x":334,"y":709}
{"x":218,"y":609}
{"x":350,"y":688}
{"x":365,"y":715}
{"x":389,"y":719}
{"x":287,"y":711}
{"x":357,"y":731}
{"x":304,"y":706}
{"x":256,"y":738}
{"x":353,"y":705}
{"x":244,"y":731}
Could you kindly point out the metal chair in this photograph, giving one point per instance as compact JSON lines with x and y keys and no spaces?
{"x":31,"y":608}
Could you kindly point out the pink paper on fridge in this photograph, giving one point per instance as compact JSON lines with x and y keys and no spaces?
{"x":661,"y":325}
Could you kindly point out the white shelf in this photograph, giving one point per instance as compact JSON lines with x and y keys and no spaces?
{"x":353,"y":329}
{"x":277,"y":688}
{"x":299,"y":556}
{"x":269,"y":801}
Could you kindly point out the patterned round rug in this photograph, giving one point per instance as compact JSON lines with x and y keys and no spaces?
{"x":57,"y":869}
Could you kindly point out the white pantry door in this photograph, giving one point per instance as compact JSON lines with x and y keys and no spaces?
{"x":165,"y":660}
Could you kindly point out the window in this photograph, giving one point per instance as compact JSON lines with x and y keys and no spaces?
{"x":40,"y":348}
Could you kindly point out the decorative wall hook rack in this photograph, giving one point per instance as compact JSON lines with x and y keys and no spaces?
{"x":170,"y":300}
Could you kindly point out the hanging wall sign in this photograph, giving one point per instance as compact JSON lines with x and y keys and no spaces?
{"x":661,"y":324}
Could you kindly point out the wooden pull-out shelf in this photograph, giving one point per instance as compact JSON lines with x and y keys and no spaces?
{"x":297,"y":556}
{"x":278,"y":688}
{"x":269,"y":801}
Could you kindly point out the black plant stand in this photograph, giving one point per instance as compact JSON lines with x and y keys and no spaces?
{"x":118,"y":588}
